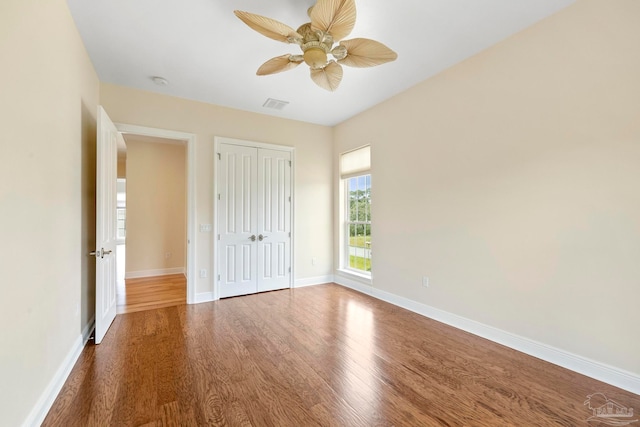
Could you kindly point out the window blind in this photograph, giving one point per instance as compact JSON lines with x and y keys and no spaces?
{"x":355,"y":162}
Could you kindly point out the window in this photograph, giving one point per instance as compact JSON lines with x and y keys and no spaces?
{"x":358,"y":190}
{"x":121,"y":208}
{"x":356,"y":178}
{"x":121,"y":220}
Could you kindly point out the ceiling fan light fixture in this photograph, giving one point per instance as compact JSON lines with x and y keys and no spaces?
{"x":315,"y":57}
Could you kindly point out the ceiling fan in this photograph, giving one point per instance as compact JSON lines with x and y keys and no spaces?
{"x":331,"y":21}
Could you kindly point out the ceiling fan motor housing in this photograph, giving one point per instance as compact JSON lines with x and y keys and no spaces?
{"x":316,"y":45}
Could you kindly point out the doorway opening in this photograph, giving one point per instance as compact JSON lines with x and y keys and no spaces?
{"x":155,"y":256}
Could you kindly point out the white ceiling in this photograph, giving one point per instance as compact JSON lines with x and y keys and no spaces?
{"x":209,"y":55}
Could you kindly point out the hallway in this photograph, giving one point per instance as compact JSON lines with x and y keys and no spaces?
{"x":147,"y":293}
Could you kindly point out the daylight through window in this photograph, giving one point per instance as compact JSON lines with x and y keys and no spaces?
{"x":359,"y":222}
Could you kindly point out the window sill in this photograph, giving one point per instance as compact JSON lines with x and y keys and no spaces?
{"x":354,"y":275}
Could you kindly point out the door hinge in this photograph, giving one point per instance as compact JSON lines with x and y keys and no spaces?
{"x":289,"y":163}
{"x":289,"y":199}
{"x":219,"y":156}
{"x":218,"y":196}
{"x":289,"y":269}
{"x":289,"y":234}
{"x":218,"y":237}
{"x":218,"y":277}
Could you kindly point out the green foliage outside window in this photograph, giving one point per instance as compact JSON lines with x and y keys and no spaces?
{"x":359,"y":222}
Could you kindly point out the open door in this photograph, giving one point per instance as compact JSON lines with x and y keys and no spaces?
{"x":106,"y":233}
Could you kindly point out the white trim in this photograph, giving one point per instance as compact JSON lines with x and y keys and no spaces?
{"x":152,"y":273}
{"x":352,"y":274}
{"x":190,"y":141}
{"x":191,"y":221}
{"x":204,"y":297}
{"x":582,"y":365}
{"x":217,"y":140}
{"x":214,"y":238}
{"x":312,"y":281}
{"x":365,"y":288}
{"x":50,"y":393}
{"x":292,"y":243}
{"x":225,"y":140}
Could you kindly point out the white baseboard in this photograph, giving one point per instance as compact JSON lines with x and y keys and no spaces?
{"x":152,"y":273}
{"x":365,"y":288}
{"x":591,"y":368}
{"x":48,"y":396}
{"x":312,"y":281}
{"x":203,"y":297}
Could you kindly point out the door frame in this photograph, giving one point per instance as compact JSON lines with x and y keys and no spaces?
{"x":217,"y":140}
{"x":190,"y":141}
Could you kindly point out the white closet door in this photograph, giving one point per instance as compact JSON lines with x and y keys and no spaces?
{"x":237,"y":220}
{"x":274,"y":219}
{"x":254,"y":219}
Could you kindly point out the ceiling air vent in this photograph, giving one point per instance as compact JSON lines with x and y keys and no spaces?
{"x":275,"y":104}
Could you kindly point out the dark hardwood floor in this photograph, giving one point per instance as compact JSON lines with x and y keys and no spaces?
{"x":316,"y":356}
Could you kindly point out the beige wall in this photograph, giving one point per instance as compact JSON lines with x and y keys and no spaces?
{"x":313,"y":166}
{"x":156,"y":206}
{"x":48,"y":106}
{"x":512,"y":181}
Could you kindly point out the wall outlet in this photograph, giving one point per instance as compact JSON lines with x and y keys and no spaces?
{"x":205,"y":228}
{"x":425,"y":281}
{"x":203,"y":273}
{"x":313,"y":261}
{"x":167,"y":255}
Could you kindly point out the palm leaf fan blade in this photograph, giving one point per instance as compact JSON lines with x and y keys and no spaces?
{"x":366,"y":53}
{"x":329,"y":77}
{"x":336,"y":17}
{"x":277,"y":65}
{"x":268,"y":27}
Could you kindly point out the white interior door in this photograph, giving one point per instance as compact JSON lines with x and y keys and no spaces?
{"x":237,"y":220}
{"x":274,"y":219}
{"x":254,"y":220}
{"x":106,"y":234}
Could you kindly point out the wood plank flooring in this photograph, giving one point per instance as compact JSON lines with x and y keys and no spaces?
{"x":151,"y":292}
{"x":317,"y":356}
